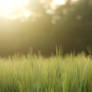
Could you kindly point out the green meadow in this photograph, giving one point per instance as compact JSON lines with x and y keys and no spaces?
{"x":38,"y":74}
{"x":37,"y":38}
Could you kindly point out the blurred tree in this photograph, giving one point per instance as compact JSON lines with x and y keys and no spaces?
{"x":68,"y":27}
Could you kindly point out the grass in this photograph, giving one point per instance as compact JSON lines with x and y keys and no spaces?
{"x":38,"y":74}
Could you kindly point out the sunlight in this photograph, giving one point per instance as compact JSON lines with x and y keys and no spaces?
{"x":56,"y":3}
{"x":13,"y":8}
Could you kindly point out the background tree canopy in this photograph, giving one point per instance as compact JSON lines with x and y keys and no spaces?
{"x":67,"y":27}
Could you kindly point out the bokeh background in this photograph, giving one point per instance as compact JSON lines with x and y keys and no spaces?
{"x":47,"y":26}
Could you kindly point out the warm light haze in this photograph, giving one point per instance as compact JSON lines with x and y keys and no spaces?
{"x":18,"y":9}
{"x":57,"y":2}
{"x":45,"y":45}
{"x":13,"y":9}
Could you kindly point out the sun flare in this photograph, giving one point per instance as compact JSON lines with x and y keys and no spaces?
{"x":13,"y":8}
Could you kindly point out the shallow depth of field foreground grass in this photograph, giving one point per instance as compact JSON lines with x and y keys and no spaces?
{"x":38,"y":74}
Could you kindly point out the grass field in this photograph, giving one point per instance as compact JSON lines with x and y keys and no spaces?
{"x":38,"y":74}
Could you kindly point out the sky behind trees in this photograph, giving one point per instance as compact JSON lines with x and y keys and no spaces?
{"x":67,"y":26}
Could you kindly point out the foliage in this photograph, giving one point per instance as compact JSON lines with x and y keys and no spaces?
{"x":37,"y":74}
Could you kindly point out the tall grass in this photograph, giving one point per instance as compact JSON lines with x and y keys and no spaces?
{"x":38,"y":74}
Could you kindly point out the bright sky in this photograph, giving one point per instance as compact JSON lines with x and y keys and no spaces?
{"x":13,"y":9}
{"x":57,"y":2}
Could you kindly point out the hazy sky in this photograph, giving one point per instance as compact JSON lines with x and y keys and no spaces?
{"x":13,"y":9}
